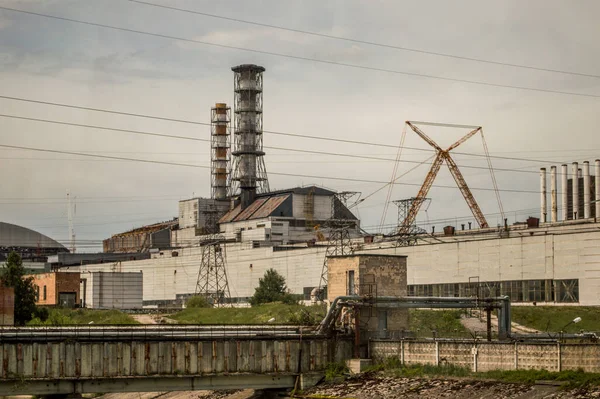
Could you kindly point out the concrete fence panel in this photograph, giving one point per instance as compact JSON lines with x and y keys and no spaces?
{"x":575,"y":356}
{"x":485,"y":356}
{"x":493,"y":356}
{"x":538,"y":356}
{"x":419,"y":352}
{"x":456,"y":353}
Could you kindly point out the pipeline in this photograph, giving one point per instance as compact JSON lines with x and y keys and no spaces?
{"x":501,"y":303}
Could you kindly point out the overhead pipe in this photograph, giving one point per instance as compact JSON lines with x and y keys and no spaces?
{"x":543,"y":196}
{"x":565,"y":192}
{"x":575,"y":189}
{"x":553,"y":204}
{"x":501,"y":303}
{"x":586,"y":191}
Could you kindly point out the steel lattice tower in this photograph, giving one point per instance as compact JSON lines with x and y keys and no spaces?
{"x":408,"y":235}
{"x":212,"y":280}
{"x":339,"y":242}
{"x":249,"y":172}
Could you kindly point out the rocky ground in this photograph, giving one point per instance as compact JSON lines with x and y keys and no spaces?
{"x":374,"y":387}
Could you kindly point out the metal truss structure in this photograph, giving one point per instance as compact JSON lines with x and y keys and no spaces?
{"x":212,"y":280}
{"x":248,"y":167}
{"x":220,"y":151}
{"x":409,"y":235}
{"x":441,"y":157}
{"x":339,"y":242}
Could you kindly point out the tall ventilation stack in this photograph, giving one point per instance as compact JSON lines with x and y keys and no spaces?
{"x":249,"y":171}
{"x":220,"y":144}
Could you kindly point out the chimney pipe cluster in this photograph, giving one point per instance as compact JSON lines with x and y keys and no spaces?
{"x":578,"y":192}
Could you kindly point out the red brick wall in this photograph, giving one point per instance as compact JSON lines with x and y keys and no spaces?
{"x":7,"y":306}
{"x":55,"y":283}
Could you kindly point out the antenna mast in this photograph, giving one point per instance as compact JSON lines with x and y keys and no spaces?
{"x":71,"y":209}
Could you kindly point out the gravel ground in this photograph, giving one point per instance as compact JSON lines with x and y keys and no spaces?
{"x":373,"y":387}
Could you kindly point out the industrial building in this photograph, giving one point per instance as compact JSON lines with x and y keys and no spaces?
{"x":142,"y":239}
{"x":60,"y":289}
{"x":34,"y":248}
{"x":245,"y":229}
{"x":111,"y":290}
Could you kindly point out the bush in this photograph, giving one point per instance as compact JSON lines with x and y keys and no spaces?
{"x":41,"y":313}
{"x":197,"y":301}
{"x":272,"y":288}
{"x":333,"y":370}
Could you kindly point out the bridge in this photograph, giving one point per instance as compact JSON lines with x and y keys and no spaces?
{"x":92,"y":359}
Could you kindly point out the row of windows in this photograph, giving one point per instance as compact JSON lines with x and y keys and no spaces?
{"x":566,"y":291}
{"x":37,"y":293}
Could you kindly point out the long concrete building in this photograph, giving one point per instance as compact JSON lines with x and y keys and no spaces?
{"x":556,"y":263}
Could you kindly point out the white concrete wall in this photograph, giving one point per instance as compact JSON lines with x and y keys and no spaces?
{"x":188,"y":213}
{"x":545,"y":255}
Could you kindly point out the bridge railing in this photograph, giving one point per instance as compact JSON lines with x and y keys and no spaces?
{"x":150,"y":332}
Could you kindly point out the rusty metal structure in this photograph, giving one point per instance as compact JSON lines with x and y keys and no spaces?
{"x":249,"y":174}
{"x":212,"y":280}
{"x":141,"y":239}
{"x":220,"y":151}
{"x":442,"y":155}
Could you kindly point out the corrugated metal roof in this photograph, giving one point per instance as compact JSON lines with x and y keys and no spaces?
{"x":253,"y":207}
{"x":229,"y":216}
{"x":270,"y":206}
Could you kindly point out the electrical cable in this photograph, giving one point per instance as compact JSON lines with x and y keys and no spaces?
{"x":370,"y":43}
{"x":325,"y":153}
{"x":303,"y":58}
{"x":272,"y":173}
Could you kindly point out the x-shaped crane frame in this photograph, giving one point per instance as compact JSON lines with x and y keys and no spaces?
{"x":441,"y":156}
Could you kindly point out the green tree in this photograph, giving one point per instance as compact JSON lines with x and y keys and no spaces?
{"x":271,"y":288}
{"x":13,"y":275}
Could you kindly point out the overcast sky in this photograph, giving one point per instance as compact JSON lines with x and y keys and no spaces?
{"x":64,"y":62}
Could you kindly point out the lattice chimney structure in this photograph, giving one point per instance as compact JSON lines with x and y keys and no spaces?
{"x":249,"y":174}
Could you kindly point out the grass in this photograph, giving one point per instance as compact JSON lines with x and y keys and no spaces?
{"x":445,"y":322}
{"x":62,"y":317}
{"x":555,"y":318}
{"x":572,"y":379}
{"x":282,"y":313}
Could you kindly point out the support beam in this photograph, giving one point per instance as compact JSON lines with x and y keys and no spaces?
{"x":586,"y":191}
{"x":553,"y":199}
{"x":597,"y":183}
{"x":146,"y":384}
{"x":564,"y":194}
{"x":575,"y":193}
{"x":543,"y":196}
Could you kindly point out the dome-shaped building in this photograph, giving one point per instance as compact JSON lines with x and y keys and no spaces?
{"x":31,"y":245}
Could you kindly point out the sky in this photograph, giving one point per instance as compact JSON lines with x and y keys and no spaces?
{"x":61,"y":61}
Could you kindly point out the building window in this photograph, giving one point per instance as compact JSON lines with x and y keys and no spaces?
{"x":44,"y":296}
{"x":37,"y":293}
{"x":565,"y":291}
{"x":351,"y":290}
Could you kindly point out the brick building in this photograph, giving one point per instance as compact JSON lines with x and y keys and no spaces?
{"x":57,"y":289}
{"x":371,"y":275}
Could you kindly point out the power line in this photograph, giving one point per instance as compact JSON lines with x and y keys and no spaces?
{"x":325,"y":153}
{"x":302,"y":58}
{"x":370,"y":43}
{"x":273,"y":173}
{"x":207,"y":124}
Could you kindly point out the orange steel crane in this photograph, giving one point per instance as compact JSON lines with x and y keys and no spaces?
{"x":441,"y":156}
